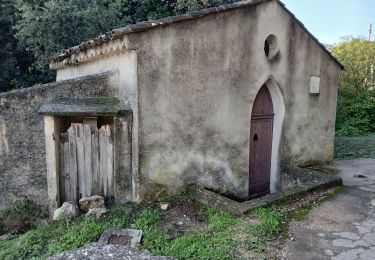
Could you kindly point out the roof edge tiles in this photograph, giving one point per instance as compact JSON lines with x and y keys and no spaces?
{"x":146,"y":25}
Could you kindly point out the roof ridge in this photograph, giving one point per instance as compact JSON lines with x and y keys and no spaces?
{"x":145,"y":25}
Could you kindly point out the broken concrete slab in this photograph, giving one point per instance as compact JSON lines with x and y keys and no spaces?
{"x":128,"y":237}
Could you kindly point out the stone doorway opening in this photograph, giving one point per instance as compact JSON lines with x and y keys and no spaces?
{"x":88,"y":149}
{"x":275,"y":98}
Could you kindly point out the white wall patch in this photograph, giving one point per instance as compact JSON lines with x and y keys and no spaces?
{"x":315,"y":85}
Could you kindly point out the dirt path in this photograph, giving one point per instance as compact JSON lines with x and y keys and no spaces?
{"x":344,"y":227}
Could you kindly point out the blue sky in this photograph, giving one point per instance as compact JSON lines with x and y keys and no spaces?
{"x":329,"y":20}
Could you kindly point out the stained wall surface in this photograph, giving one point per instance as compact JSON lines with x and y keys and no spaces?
{"x":197,"y":81}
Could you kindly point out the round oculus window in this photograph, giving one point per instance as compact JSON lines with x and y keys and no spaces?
{"x":270,"y":47}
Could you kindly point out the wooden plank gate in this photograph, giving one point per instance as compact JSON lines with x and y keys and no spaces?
{"x":86,"y":162}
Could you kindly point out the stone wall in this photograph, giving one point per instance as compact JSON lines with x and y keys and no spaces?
{"x":23,"y":171}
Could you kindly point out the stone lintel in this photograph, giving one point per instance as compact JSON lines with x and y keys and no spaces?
{"x":94,"y":106}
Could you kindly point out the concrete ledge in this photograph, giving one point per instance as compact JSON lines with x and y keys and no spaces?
{"x":213,"y":199}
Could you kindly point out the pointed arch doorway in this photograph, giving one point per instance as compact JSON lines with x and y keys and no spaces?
{"x":261,"y":132}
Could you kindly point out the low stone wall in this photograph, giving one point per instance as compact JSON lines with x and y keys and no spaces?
{"x":295,"y":176}
{"x":23,"y":171}
{"x":308,"y":180}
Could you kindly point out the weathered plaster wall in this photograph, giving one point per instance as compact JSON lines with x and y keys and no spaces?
{"x":197,"y":80}
{"x":22,"y":142}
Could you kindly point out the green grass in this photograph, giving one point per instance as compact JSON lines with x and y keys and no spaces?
{"x":354,"y":147}
{"x":48,"y":239}
{"x":269,"y":222}
{"x":146,"y":218}
{"x":226,"y":236}
{"x":214,"y":243}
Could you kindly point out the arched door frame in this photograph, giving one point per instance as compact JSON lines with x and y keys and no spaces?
{"x":278,"y":121}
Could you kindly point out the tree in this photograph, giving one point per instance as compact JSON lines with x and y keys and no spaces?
{"x":183,"y":6}
{"x":32,"y":30}
{"x":17,"y":68}
{"x":356,"y":97}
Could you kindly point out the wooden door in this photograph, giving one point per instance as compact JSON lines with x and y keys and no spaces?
{"x":86,"y":162}
{"x":260,"y":144}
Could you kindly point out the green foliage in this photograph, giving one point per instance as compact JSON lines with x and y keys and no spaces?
{"x":355,"y":113}
{"x":269,"y":222}
{"x":146,"y":218}
{"x":48,"y":239}
{"x":183,"y":6}
{"x":20,"y":216}
{"x":17,"y":67}
{"x":356,"y":96}
{"x":31,"y":30}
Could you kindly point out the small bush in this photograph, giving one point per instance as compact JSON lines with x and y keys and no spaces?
{"x":21,"y":216}
{"x":355,"y":113}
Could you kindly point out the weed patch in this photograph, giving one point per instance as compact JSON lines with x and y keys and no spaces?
{"x":269,"y":222}
{"x":21,"y":216}
{"x":146,"y":218}
{"x":48,"y":239}
{"x":220,"y":220}
{"x":216,"y":242}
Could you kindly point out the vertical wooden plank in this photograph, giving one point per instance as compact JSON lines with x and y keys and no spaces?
{"x":102,"y":162}
{"x":80,"y":160}
{"x":95,"y":162}
{"x":109,"y":161}
{"x":61,"y":170}
{"x":88,"y":165}
{"x":73,"y":164}
{"x":67,"y":190}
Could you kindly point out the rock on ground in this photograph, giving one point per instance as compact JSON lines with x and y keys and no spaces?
{"x":88,"y":203}
{"x":67,"y":210}
{"x":107,"y":251}
{"x":97,"y":212}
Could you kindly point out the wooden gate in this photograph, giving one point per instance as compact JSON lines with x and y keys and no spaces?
{"x":85,"y":162}
{"x":260,"y":144}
